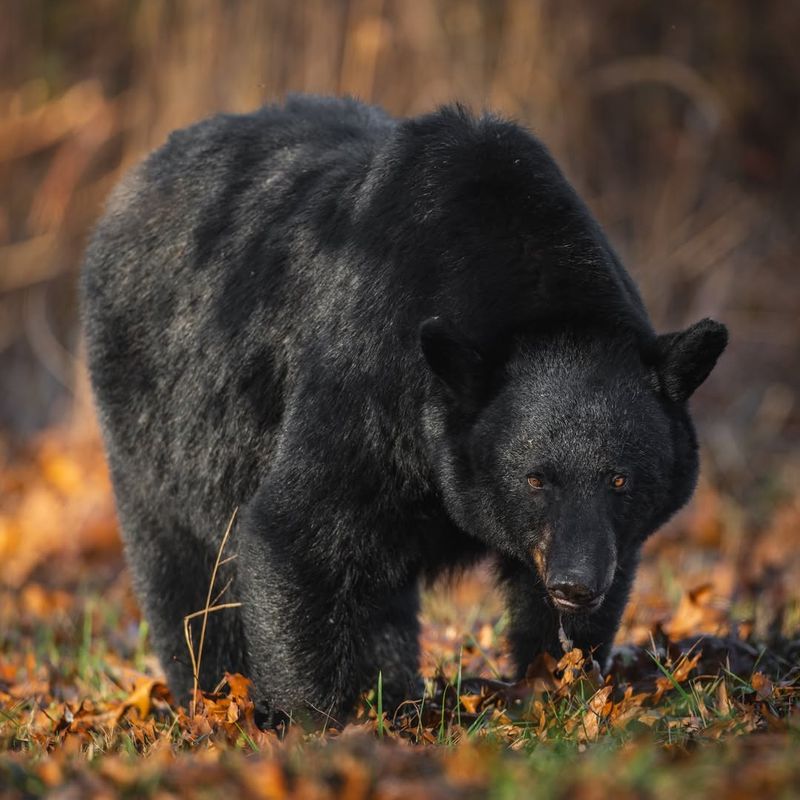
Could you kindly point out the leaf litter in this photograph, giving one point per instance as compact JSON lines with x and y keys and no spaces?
{"x":702,"y":692}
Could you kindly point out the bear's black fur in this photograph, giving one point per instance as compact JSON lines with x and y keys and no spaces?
{"x":397,"y":346}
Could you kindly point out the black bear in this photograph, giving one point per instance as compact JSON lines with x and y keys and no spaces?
{"x":398,"y":346}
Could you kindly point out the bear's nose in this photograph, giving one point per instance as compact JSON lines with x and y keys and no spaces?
{"x":571,"y":595}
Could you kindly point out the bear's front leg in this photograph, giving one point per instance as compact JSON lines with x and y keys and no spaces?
{"x":535,"y":626}
{"x":533,"y":623}
{"x":325,"y":609}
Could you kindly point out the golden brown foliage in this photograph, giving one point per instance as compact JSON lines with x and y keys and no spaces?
{"x":83,"y":704}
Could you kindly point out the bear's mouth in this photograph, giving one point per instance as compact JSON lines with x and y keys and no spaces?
{"x":568,"y":606}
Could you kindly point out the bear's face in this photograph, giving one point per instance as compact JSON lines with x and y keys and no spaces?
{"x":573,"y":463}
{"x":572,"y":453}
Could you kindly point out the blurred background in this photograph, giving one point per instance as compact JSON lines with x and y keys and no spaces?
{"x":678,"y":122}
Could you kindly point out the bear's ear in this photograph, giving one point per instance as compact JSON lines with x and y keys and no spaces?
{"x":452,"y":359}
{"x":687,"y":357}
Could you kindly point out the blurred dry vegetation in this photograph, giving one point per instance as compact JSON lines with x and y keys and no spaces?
{"x":679,"y":123}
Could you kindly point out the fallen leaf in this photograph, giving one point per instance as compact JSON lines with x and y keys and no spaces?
{"x":696,"y":613}
{"x":142,"y":698}
{"x":594,"y":715}
{"x":762,"y":685}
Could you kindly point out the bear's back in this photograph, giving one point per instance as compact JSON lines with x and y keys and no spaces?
{"x":195,"y":285}
{"x":282,"y":261}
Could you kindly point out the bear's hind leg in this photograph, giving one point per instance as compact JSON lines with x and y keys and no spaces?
{"x":395,"y":648}
{"x":171,"y":574}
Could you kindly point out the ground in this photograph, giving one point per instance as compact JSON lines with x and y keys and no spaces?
{"x":703,"y":694}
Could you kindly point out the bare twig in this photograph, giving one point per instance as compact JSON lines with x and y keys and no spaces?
{"x":208,"y":609}
{"x":222,"y":592}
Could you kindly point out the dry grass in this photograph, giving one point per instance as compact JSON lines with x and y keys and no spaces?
{"x":211,"y":606}
{"x":652,"y":114}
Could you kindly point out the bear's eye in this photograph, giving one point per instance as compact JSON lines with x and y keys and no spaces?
{"x":535,"y":482}
{"x":619,"y":481}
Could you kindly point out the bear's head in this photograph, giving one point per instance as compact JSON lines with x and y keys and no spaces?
{"x":570,"y":449}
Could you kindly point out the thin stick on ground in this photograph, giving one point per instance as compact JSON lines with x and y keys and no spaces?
{"x":209,"y":608}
